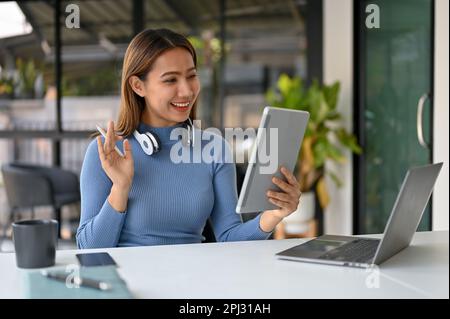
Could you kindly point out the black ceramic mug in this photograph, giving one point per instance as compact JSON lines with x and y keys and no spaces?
{"x":35,"y":242}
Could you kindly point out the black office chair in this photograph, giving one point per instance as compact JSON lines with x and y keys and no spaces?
{"x":208,"y":233}
{"x":29,"y":186}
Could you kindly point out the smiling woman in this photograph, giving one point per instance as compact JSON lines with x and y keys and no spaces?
{"x":138,"y":199}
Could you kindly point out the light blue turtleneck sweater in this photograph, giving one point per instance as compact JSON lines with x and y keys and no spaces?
{"x":169,"y":203}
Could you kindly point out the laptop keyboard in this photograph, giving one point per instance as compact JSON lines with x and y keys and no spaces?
{"x":359,"y":250}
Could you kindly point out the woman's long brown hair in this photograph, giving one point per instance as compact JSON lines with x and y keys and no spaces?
{"x":139,"y":58}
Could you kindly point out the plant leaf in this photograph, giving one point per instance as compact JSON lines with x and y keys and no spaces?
{"x":348,"y":140}
{"x":335,"y":178}
{"x":322,"y":193}
{"x":333,"y":116}
{"x":331,"y":94}
{"x":320,"y":151}
{"x":284,"y":84}
{"x":335,"y":154}
{"x":273,"y":99}
{"x":307,"y":156}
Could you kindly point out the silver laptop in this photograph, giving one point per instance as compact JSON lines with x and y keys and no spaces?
{"x":400,"y":228}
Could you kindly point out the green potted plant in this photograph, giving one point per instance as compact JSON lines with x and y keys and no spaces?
{"x":6,"y":87}
{"x":27,"y":75}
{"x":325,"y":136}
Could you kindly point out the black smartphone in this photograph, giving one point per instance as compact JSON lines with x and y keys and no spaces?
{"x":95,"y":259}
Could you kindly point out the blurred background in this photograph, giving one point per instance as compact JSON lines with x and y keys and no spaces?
{"x":373,"y":74}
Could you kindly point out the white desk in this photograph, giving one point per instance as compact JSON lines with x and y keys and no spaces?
{"x":250,"y":270}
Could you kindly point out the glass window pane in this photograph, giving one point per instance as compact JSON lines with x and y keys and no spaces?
{"x":397,"y":73}
{"x":264,"y":39}
{"x":92,"y":58}
{"x":26,"y":66}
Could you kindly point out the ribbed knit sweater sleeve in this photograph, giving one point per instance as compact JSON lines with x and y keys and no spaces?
{"x":100,"y":224}
{"x":226,"y":222}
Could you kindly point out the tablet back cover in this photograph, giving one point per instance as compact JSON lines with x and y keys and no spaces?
{"x":278,"y":144}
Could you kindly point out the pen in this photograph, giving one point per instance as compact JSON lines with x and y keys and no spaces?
{"x":77,"y":280}
{"x":104,"y":135}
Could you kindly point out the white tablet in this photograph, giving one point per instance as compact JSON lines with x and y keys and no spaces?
{"x":278,"y":141}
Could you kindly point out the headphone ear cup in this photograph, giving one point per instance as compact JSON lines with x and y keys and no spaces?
{"x":189,"y":133}
{"x":146,"y":142}
{"x":188,"y":139}
{"x":156,"y":143}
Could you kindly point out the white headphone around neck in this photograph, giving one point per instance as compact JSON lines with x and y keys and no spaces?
{"x":151,"y":144}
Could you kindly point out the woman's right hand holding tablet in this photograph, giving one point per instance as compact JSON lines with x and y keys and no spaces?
{"x":120,"y":170}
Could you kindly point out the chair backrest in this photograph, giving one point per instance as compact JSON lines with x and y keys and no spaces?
{"x":62,"y":181}
{"x":26,"y":187}
{"x":208,"y":233}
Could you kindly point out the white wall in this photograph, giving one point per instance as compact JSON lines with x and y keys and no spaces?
{"x":441,"y":123}
{"x":338,"y":65}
